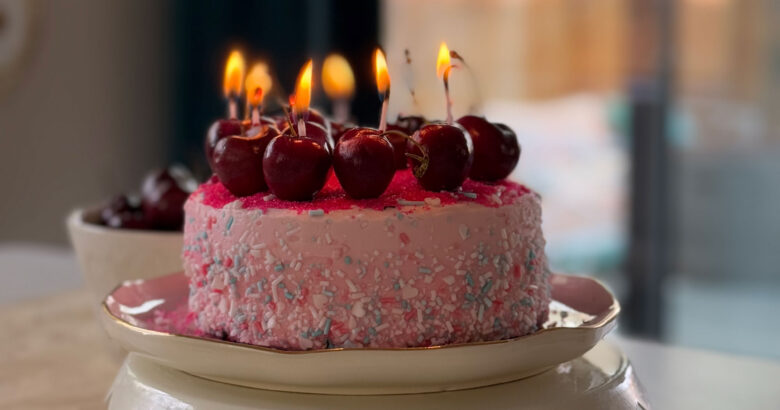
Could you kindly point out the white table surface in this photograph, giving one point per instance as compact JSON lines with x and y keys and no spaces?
{"x":32,"y":366}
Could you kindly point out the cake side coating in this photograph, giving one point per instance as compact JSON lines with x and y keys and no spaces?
{"x":427,"y":271}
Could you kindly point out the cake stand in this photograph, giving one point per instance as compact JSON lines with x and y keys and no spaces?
{"x":602,"y":378}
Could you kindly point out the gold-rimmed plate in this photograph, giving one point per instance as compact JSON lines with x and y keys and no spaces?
{"x":137,"y":313}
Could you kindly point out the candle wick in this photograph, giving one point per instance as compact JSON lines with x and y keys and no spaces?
{"x":301,"y":127}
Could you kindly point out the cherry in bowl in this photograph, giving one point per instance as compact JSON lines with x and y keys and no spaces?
{"x":163,"y":194}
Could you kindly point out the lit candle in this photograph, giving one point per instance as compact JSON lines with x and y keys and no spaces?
{"x":258,"y":85}
{"x":382,"y":86}
{"x":443,"y":67}
{"x":339,"y":84}
{"x":302,"y":98}
{"x":232,"y":84}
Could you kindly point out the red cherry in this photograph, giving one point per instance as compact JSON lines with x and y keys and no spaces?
{"x":496,"y":150}
{"x":295,"y":168}
{"x":218,"y":130}
{"x":316,"y":132}
{"x":364,"y":162}
{"x":337,"y":130}
{"x":313,"y":116}
{"x":163,"y":194}
{"x":238,"y":161}
{"x":399,"y":143}
{"x":446,"y":158}
{"x":124,"y":212}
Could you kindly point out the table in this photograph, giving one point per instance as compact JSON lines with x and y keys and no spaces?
{"x":53,"y":355}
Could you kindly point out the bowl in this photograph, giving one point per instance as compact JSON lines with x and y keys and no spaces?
{"x":110,"y":256}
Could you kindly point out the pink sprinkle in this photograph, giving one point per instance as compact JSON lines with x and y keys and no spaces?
{"x":404,"y":238}
{"x":403,"y":187}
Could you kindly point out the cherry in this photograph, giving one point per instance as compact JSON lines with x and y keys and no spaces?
{"x":295,"y":167}
{"x":313,"y":116}
{"x":337,"y":130}
{"x":441,"y":158}
{"x":124,"y":212}
{"x":316,"y":132}
{"x":238,"y":161}
{"x":496,"y":150}
{"x":163,"y":194}
{"x":410,"y":124}
{"x":364,"y":162}
{"x":399,"y":144}
{"x":218,"y":130}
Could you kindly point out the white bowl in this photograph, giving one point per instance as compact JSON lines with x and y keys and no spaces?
{"x":110,"y":256}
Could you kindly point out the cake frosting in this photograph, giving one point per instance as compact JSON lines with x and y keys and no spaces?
{"x":410,"y":268}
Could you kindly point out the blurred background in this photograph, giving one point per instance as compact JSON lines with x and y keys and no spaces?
{"x":651,"y":128}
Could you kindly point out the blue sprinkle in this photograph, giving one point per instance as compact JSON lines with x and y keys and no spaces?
{"x":372,"y":331}
{"x":423,"y":269}
{"x":205,"y":235}
{"x":316,"y":212}
{"x":288,"y":295}
{"x":470,"y":297}
{"x":471,"y":195}
{"x":281,"y":285}
{"x":233,"y":280}
{"x":488,"y":302}
{"x":327,"y":326}
{"x":316,"y":333}
{"x":267,"y":299}
{"x":486,"y":287}
{"x":469,"y":279}
{"x":279,"y":267}
{"x":217,"y":261}
{"x":387,"y":264}
{"x":348,"y":306}
{"x":328,"y":293}
{"x":405,"y":304}
{"x":348,"y":260}
{"x":366,"y":340}
{"x":229,"y":223}
{"x":305,"y":334}
{"x":526,"y":301}
{"x":496,"y":323}
{"x":378,"y":317}
{"x":396,"y":286}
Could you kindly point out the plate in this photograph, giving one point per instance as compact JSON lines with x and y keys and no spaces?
{"x":150,"y":317}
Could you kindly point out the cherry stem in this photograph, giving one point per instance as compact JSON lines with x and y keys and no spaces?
{"x":423,"y":160}
{"x":287,"y":118}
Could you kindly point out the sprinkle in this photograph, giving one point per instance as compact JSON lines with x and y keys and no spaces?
{"x":327,"y":326}
{"x":328,"y":239}
{"x":279,"y":267}
{"x":288,"y":295}
{"x":352,"y":287}
{"x":433,"y":201}
{"x":378,"y":317}
{"x":481,"y":312}
{"x":423,"y":269}
{"x":268,"y":197}
{"x":267,"y":299}
{"x":229,"y":224}
{"x":281,"y":285}
{"x":470,"y":297}
{"x":486,"y":287}
{"x":348,"y":260}
{"x":469,"y":279}
{"x":328,"y":293}
{"x":463,"y":230}
{"x":471,"y":195}
{"x":449,"y":280}
{"x":316,"y":212}
{"x":372,"y":331}
{"x":233,"y":280}
{"x":404,"y":202}
{"x":396,"y":286}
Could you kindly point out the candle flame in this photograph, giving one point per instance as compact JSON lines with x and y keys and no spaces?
{"x":303,"y":89}
{"x":234,"y":74}
{"x":337,"y":77}
{"x":258,"y":84}
{"x":382,"y":75}
{"x":443,"y":60}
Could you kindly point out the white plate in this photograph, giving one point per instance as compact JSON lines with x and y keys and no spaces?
{"x":582,"y":312}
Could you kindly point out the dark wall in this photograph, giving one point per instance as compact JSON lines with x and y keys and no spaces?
{"x":283,"y":33}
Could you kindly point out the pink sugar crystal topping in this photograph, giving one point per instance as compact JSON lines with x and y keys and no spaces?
{"x":403,"y":190}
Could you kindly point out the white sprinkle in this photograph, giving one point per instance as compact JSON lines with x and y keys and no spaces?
{"x":433,"y":201}
{"x":419,"y":255}
{"x":328,"y":239}
{"x":352,"y":287}
{"x":463,"y":230}
{"x":449,"y":280}
{"x":358,"y":310}
{"x":404,"y":202}
{"x":268,"y":197}
{"x":449,"y":327}
{"x":319,"y":301}
{"x":292,"y":231}
{"x":316,"y":212}
{"x":382,"y":327}
{"x":438,"y":268}
{"x":408,"y":292}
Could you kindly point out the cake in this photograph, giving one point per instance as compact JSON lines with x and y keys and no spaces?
{"x":409,"y":268}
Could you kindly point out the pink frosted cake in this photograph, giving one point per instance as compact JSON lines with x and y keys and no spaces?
{"x":410,"y":268}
